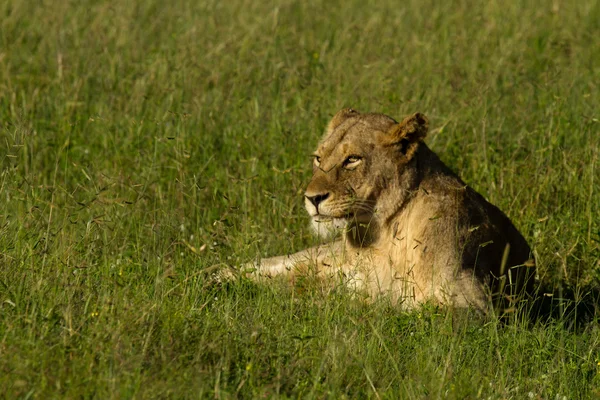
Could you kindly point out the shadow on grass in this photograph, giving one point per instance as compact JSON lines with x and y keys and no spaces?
{"x":574,"y":308}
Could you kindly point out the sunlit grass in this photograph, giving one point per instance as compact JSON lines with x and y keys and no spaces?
{"x":142,"y":142}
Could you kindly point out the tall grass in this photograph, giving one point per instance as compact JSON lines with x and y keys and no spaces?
{"x":143,"y":141}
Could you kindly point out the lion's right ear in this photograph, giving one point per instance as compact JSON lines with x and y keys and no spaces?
{"x":340,"y":117}
{"x":409,"y":133}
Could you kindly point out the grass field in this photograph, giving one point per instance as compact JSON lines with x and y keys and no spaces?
{"x":144,"y":141}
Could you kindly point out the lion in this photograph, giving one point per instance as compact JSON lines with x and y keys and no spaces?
{"x":410,"y":228}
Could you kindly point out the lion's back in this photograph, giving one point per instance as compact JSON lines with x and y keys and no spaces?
{"x":487,"y":242}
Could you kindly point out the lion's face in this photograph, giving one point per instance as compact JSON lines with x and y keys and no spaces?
{"x":360,"y":157}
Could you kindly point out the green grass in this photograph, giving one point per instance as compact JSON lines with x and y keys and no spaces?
{"x":144,"y":141}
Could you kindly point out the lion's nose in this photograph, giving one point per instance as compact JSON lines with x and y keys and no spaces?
{"x":318,"y":199}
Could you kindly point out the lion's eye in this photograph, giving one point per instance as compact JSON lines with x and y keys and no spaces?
{"x":317,"y":160}
{"x":352,"y":162}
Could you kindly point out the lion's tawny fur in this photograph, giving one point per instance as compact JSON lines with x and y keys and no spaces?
{"x":410,"y":227}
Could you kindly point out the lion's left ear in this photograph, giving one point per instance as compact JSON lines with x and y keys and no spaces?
{"x":409,"y":133}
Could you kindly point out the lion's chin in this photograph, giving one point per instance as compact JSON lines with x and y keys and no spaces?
{"x":327,"y":227}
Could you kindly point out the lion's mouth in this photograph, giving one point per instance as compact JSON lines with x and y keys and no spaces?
{"x":321,"y":219}
{"x":328,"y":218}
{"x":345,"y":214}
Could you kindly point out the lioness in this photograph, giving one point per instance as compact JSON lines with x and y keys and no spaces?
{"x":410,"y":227}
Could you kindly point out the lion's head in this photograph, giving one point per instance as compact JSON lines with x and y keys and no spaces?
{"x":362,"y":169}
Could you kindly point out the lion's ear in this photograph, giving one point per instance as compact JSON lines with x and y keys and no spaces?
{"x":409,"y":133}
{"x":340,"y":117}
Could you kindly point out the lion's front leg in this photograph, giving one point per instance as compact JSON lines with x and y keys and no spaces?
{"x":317,"y":260}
